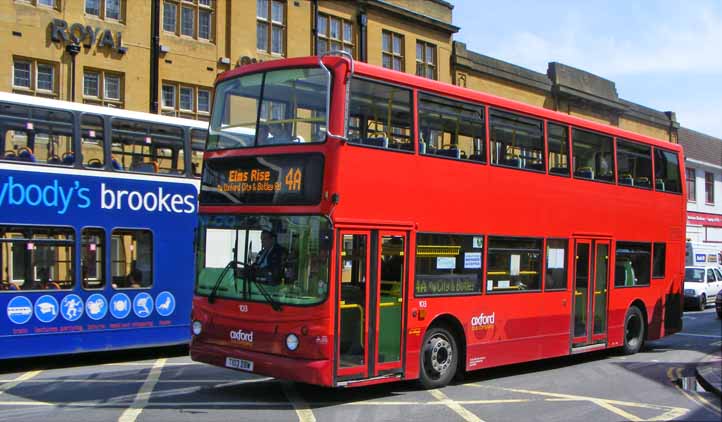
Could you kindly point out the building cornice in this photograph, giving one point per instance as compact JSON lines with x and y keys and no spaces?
{"x":405,"y":13}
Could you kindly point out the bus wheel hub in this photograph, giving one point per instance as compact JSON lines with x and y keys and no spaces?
{"x":441,"y":354}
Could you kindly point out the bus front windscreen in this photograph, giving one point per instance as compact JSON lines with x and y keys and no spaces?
{"x":270,"y":108}
{"x":282,"y":260}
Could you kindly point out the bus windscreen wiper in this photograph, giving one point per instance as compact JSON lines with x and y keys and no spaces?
{"x":274,"y":304}
{"x":214,"y":291}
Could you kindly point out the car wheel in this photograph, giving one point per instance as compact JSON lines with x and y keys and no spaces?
{"x":702,"y":302}
{"x":634,"y":328}
{"x":439,"y":358}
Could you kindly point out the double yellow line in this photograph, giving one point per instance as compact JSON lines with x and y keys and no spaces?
{"x":675,"y":375}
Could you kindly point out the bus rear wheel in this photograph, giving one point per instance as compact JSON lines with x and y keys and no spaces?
{"x":439,"y":358}
{"x":634,"y":328}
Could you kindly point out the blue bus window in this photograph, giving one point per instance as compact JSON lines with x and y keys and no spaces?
{"x":92,"y":258}
{"x":91,"y":135}
{"x":131,"y":252}
{"x":37,"y":258}
{"x":146,"y":147}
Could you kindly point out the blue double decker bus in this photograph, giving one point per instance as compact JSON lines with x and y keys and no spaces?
{"x":97,"y":213}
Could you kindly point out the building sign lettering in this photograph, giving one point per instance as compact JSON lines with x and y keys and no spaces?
{"x":86,"y":35}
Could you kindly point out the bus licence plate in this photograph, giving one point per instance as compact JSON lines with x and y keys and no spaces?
{"x":242,"y":364}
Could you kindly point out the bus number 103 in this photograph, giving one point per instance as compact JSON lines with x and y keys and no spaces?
{"x":293,"y":179}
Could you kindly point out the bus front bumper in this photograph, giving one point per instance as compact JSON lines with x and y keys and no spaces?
{"x":318,"y":372}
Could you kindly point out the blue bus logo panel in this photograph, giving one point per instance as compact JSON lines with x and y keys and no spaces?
{"x":46,"y":308}
{"x":120,"y":306}
{"x":96,"y":307}
{"x":143,"y":305}
{"x":165,"y":304}
{"x":20,"y":310}
{"x":71,"y":307}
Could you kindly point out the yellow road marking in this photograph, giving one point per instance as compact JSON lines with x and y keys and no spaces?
{"x":455,"y":406}
{"x":19,"y":380}
{"x":141,"y":399}
{"x":675,"y":374}
{"x":611,"y":405}
{"x":304,"y":412}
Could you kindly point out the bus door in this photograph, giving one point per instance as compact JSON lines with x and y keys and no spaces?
{"x":590,"y":292}
{"x":370,"y":279}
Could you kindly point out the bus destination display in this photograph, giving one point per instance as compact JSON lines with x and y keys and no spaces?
{"x":264,"y":180}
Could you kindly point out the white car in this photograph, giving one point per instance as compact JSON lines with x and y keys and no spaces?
{"x":701,"y":285}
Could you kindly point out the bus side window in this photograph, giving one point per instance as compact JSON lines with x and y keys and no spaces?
{"x":516,"y":141}
{"x":146,"y":147}
{"x":92,"y":258}
{"x":131,"y":254}
{"x":666,"y":169}
{"x":37,"y":258}
{"x":593,"y":157}
{"x":91,"y":137}
{"x":380,"y":115}
{"x":198,"y":145}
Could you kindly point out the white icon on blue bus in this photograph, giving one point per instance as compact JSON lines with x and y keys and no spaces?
{"x":143,"y":305}
{"x":20,"y":310}
{"x":71,"y":307}
{"x":165,"y":303}
{"x":46,"y":308}
{"x":96,"y":306}
{"x":120,"y":305}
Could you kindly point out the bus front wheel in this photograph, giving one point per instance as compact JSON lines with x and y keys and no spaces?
{"x":439,"y":358}
{"x":634,"y":328}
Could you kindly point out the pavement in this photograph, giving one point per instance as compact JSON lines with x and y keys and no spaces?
{"x":709,"y":373}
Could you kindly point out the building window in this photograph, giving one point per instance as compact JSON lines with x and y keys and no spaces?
{"x":104,"y":9}
{"x":168,"y":96}
{"x":190,"y":18}
{"x":34,"y":77}
{"x":91,"y":82}
{"x":334,"y":33}
{"x":21,"y":74}
{"x":112,"y":9}
{"x":92,"y":7}
{"x":204,"y":101}
{"x":45,"y":3}
{"x":186,"y":98}
{"x":170,"y":10}
{"x":392,"y":50}
{"x":709,"y":187}
{"x":45,"y":77}
{"x":270,"y":26}
{"x":187,"y":21}
{"x":186,"y":101}
{"x":425,"y":60}
{"x":103,"y":88}
{"x":691,"y":185}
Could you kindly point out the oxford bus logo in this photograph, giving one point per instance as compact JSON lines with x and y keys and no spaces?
{"x":483,"y":321}
{"x":242,"y":336}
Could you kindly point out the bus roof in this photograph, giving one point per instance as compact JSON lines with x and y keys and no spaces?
{"x":108,"y":111}
{"x":449,"y":90}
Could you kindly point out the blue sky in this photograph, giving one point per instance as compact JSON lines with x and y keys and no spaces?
{"x":663,"y":54}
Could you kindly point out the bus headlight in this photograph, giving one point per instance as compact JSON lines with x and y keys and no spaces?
{"x":197,"y":328}
{"x":292,"y":342}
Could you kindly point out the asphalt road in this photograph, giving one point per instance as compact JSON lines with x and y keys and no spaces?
{"x":656,"y":384}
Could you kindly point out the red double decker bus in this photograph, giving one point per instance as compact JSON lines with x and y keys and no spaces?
{"x":360,"y":225}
